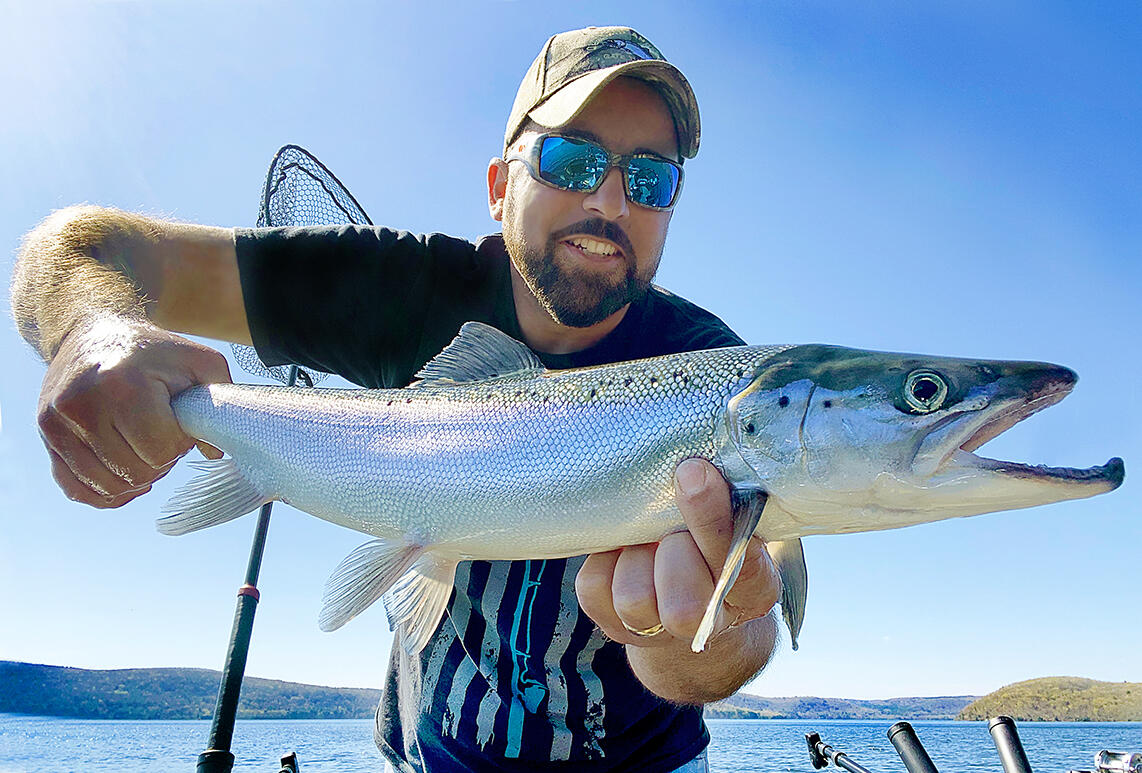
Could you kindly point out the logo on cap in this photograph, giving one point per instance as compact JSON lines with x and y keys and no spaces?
{"x":626,"y":45}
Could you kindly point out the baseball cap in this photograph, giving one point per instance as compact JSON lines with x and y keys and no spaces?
{"x":574,"y":66}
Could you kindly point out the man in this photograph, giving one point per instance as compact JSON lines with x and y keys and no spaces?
{"x":572,"y":664}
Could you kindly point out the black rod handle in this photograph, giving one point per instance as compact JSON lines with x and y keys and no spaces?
{"x":911,"y":751}
{"x":1006,"y":739}
{"x":217,"y":757}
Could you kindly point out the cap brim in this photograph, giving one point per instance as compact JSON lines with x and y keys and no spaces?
{"x":569,"y":101}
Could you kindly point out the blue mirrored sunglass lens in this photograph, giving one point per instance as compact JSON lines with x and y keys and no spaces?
{"x":651,"y":183}
{"x":570,"y":164}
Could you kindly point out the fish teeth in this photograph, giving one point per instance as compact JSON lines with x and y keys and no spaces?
{"x":594,"y":246}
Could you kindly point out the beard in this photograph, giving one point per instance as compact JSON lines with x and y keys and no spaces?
{"x":574,"y":295}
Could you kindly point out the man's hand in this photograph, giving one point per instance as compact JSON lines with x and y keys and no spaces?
{"x":104,"y":412}
{"x":669,"y":583}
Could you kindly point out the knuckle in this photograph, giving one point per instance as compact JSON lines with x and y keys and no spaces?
{"x":590,"y":583}
{"x":681,"y":614}
{"x":49,"y":421}
{"x":70,"y":405}
{"x":634,"y":597}
{"x":210,"y":365}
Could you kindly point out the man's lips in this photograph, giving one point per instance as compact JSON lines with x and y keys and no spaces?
{"x":596,"y":239}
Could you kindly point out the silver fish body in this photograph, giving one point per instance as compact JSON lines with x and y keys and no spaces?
{"x":552,"y":466}
{"x":490,"y":456}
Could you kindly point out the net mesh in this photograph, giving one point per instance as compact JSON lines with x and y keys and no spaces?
{"x":299,"y":191}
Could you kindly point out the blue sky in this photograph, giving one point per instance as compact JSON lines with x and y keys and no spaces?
{"x":959,"y":178}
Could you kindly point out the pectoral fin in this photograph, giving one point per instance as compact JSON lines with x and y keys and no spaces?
{"x":747,"y":509}
{"x":222,"y":493}
{"x":789,"y":558}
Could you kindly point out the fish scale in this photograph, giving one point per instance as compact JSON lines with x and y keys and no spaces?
{"x":490,"y":456}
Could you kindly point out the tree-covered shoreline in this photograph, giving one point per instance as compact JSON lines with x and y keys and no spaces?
{"x":190,"y":693}
{"x":167,"y":693}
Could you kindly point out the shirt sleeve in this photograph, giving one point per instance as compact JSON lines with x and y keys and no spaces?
{"x":350,"y":300}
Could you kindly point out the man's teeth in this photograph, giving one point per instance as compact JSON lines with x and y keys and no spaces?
{"x":595,"y":247}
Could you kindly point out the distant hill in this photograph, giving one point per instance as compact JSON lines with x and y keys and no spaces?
{"x":745,"y":706}
{"x":167,"y":693}
{"x":1061,"y":699}
{"x":190,"y":693}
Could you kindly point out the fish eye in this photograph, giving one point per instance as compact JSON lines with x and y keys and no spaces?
{"x":925,"y":390}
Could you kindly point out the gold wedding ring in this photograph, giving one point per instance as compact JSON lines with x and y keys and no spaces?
{"x":645,"y":633}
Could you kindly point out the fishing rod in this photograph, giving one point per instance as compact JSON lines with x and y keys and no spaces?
{"x":298,"y":191}
{"x":218,"y":758}
{"x":903,"y":738}
{"x":1003,"y":733}
{"x":821,"y":754}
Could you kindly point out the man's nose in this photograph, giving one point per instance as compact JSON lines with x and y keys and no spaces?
{"x":609,"y":200}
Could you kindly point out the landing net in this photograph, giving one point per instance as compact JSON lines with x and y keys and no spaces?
{"x":299,"y":191}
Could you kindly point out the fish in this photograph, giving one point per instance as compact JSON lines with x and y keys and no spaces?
{"x":488,"y":455}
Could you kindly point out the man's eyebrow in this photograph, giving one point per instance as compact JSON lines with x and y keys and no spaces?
{"x":583,"y":134}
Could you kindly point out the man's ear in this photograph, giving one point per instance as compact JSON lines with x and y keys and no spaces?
{"x":497,"y":187}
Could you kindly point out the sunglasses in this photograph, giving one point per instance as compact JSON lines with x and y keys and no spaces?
{"x":574,"y":164}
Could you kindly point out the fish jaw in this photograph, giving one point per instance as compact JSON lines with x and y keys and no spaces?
{"x":826,"y":434}
{"x":964,"y":483}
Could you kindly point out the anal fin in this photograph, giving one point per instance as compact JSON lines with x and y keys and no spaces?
{"x":417,"y":601}
{"x":747,"y":509}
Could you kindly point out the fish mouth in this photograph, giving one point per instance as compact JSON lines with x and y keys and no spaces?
{"x":1048,"y":389}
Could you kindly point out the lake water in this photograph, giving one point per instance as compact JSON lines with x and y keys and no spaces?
{"x":52,"y":745}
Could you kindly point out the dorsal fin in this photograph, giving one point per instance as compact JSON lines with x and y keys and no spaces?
{"x":481,"y":352}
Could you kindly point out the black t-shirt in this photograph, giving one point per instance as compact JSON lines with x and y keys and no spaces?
{"x":516,"y":677}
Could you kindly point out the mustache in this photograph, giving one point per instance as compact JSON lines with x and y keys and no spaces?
{"x":596,"y":226}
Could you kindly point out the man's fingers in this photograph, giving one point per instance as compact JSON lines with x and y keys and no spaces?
{"x":207,"y":450}
{"x":86,"y":492}
{"x":681,"y":568}
{"x":154,"y":435}
{"x":758,"y":586}
{"x":69,"y":443}
{"x":204,"y":366}
{"x":593,"y":586}
{"x":704,"y":500}
{"x":88,"y":439}
{"x":632,"y":587}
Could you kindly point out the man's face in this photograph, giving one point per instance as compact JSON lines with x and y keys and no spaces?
{"x":586,"y":255}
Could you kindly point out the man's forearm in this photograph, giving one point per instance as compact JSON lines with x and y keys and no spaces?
{"x":675,"y":673}
{"x":64,"y":276}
